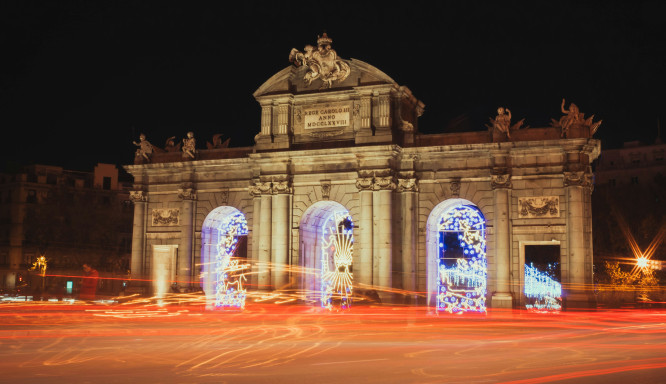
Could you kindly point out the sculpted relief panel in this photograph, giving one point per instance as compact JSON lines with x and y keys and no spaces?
{"x":166,"y":217}
{"x":541,"y":207}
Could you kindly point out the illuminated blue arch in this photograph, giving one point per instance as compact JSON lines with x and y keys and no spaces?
{"x":457,"y":265}
{"x":326,"y":241}
{"x":223,"y":272}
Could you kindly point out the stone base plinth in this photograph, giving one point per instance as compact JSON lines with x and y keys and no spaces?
{"x":502,"y":300}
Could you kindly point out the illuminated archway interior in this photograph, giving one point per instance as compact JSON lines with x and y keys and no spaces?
{"x":223,"y":235}
{"x":543,"y":288}
{"x":457,"y":257}
{"x":327,"y":240}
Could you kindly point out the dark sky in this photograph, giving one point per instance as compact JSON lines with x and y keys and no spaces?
{"x":80,"y":80}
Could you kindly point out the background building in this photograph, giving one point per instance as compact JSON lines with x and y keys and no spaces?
{"x":629,"y":205}
{"x":71,"y":217}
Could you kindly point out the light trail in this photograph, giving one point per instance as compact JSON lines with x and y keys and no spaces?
{"x":270,"y":343}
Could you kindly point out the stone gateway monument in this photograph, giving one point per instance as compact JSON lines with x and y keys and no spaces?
{"x":342,"y":200}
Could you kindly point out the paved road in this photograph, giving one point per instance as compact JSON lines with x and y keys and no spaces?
{"x":294,"y":344}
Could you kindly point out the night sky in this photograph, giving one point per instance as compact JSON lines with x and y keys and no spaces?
{"x":80,"y":80}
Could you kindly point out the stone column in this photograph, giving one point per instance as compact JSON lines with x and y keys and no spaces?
{"x":363,"y":235}
{"x":256,"y":232}
{"x":576,"y":296}
{"x":137,"y":263}
{"x":408,"y":188}
{"x":501,"y":184}
{"x":185,"y":249}
{"x":280,"y":231}
{"x":265,"y":245}
{"x":383,"y":231}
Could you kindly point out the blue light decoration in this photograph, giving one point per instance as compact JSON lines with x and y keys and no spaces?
{"x":461,"y":284}
{"x":229,"y":271}
{"x":336,"y":259}
{"x":544,"y":293}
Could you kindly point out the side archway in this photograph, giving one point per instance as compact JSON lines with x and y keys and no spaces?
{"x":326,"y":254}
{"x":456,"y":257}
{"x":224,"y":257}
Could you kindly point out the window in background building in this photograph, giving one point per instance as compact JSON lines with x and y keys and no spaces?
{"x":32,"y":196}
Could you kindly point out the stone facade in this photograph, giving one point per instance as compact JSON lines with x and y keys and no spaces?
{"x":356,"y":143}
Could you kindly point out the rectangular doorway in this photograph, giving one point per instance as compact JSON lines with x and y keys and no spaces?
{"x":542,"y":280}
{"x":164,"y":267}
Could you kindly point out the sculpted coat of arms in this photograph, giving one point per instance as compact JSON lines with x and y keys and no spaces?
{"x":322,"y":62}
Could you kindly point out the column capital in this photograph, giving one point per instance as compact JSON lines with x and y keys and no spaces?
{"x":138,"y":196}
{"x":260,"y":188}
{"x":281,"y":185}
{"x":274,"y":186}
{"x":384,"y":183}
{"x":376,"y":180}
{"x":364,"y":183}
{"x":500,"y":181}
{"x":187,"y":192}
{"x":408,"y":185}
{"x":578,"y":179}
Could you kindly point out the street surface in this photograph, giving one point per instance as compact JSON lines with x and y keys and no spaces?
{"x":269,"y":343}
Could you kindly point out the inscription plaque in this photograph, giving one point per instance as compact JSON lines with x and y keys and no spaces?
{"x":326,"y":116}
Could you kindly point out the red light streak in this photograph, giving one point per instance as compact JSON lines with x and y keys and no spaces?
{"x":269,"y":343}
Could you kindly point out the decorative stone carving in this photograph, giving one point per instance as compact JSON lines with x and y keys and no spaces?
{"x":455,"y":187}
{"x":138,"y":197}
{"x":224,"y":197}
{"x":406,"y":126}
{"x":574,"y":118}
{"x":538,"y":207}
{"x":186,"y":192}
{"x":144,"y":152}
{"x":323,"y":135}
{"x":500,"y":180}
{"x":170,"y":145}
{"x":375,"y":180}
{"x":275,"y":186}
{"x":260,"y":188}
{"x":189,"y":146}
{"x":364,"y":183}
{"x":407,"y":185}
{"x":578,"y":179}
{"x":322,"y":63}
{"x":281,"y":186}
{"x":166,"y":217}
{"x":325,"y":189}
{"x":217,"y":142}
{"x":502,"y":122}
{"x":384,"y":182}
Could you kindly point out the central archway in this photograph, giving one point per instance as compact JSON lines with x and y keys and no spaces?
{"x":326,"y":254}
